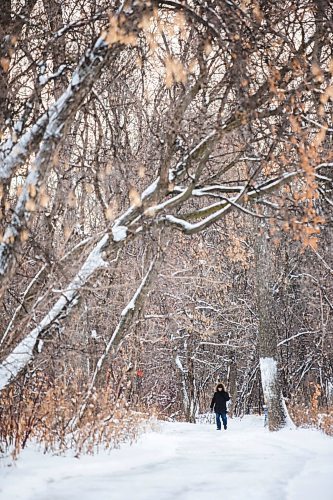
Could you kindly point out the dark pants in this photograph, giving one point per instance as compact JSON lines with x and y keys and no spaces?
{"x":222,"y":415}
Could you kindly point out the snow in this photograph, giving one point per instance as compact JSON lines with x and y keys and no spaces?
{"x":150,"y":189}
{"x":75,"y":80}
{"x":132,"y":303}
{"x":185,"y":394}
{"x":180,"y":461}
{"x":49,"y":124}
{"x":93,"y":334}
{"x":172,"y":201}
{"x":195,"y":227}
{"x":20,"y":151}
{"x":268,"y":370}
{"x":43,"y":79}
{"x":119,"y":229}
{"x":272,"y":184}
{"x":119,"y":233}
{"x":179,"y":364}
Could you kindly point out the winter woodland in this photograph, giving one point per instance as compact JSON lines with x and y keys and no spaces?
{"x":166,"y":177}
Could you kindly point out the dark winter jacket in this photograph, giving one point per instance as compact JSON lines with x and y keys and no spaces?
{"x":219,"y":401}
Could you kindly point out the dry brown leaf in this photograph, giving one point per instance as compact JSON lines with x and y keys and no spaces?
{"x":71,"y":199}
{"x":89,"y":188}
{"x":4,"y":63}
{"x":134,"y":197}
{"x":110,"y":212}
{"x":141,"y":171}
{"x":24,"y":236}
{"x":175,"y":72}
{"x":30,"y":205}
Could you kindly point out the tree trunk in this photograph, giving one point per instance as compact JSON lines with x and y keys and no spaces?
{"x":267,"y":335}
{"x":232,"y":384}
{"x":189,"y":387}
{"x":192,"y":390}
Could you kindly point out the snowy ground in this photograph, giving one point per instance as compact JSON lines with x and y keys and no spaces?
{"x":185,"y":462}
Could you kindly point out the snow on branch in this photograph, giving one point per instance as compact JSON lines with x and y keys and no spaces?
{"x":214,"y":190}
{"x":18,"y":309}
{"x":172,"y":202}
{"x":272,"y":184}
{"x":19,"y":152}
{"x":23,"y":352}
{"x":58,"y":115}
{"x":51,"y":122}
{"x":119,"y":229}
{"x":179,"y":364}
{"x":44,"y":79}
{"x":285,"y":341}
{"x":214,"y":212}
{"x":54,"y":121}
{"x":192,"y":228}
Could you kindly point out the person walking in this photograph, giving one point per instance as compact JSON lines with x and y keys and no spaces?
{"x":219,"y":405}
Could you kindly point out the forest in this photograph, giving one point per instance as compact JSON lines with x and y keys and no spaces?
{"x":166,"y":214}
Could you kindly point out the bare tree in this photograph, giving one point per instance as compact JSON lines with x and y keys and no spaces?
{"x":129,"y":117}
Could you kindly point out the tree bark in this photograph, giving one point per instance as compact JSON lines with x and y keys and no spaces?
{"x":267,"y":335}
{"x":232,"y":384}
{"x":189,"y":386}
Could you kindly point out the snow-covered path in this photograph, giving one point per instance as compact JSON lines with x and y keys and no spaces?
{"x":185,"y":462}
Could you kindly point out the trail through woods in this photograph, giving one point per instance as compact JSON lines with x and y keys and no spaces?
{"x":184,"y":462}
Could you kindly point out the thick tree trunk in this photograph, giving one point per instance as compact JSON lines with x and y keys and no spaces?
{"x":267,"y":336}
